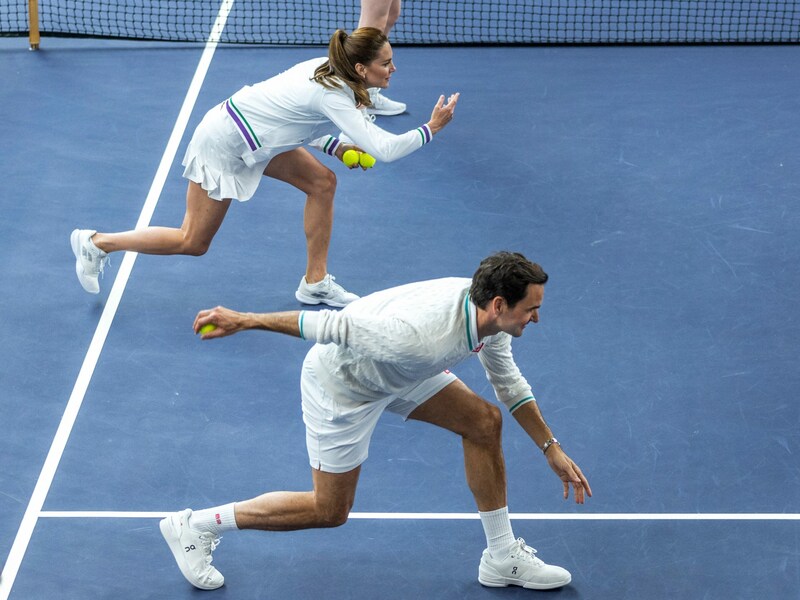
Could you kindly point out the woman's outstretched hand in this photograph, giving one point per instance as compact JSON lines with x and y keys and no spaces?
{"x":443,"y":113}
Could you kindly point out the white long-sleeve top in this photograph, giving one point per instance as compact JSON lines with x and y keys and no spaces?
{"x":389,"y":341}
{"x":291,"y":109}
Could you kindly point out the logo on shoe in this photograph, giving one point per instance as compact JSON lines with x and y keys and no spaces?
{"x":190,"y":548}
{"x":218,"y":519}
{"x":514,"y":570}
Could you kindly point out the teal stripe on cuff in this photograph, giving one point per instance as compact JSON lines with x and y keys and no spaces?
{"x":300,"y":324}
{"x":520,"y":403}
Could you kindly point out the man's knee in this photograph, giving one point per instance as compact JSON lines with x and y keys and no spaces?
{"x":333,"y":496}
{"x":487,"y":427}
{"x":334,"y":516}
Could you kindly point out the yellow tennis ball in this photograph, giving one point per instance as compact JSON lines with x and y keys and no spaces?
{"x":366,"y":160}
{"x":350,"y":158}
{"x":207,"y":328}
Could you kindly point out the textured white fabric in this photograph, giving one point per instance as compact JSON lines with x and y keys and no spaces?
{"x":385,"y":343}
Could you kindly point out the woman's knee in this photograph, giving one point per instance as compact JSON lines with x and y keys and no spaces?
{"x":202,"y":220}
{"x":324,"y":183}
{"x":195,"y":246}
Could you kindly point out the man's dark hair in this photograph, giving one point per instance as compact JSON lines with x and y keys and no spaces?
{"x":505,"y":274}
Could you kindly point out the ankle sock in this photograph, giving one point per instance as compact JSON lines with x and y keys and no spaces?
{"x":499,"y":535}
{"x":216,"y":520}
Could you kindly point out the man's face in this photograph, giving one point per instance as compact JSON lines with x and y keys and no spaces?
{"x":513,"y":319}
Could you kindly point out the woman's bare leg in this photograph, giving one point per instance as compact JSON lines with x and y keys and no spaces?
{"x":202,"y":220}
{"x":301,"y":170}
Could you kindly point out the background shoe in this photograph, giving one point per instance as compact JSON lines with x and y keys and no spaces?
{"x":521,"y":567}
{"x":381,"y":105}
{"x":326,"y":291}
{"x":192,"y":550}
{"x":89,"y":259}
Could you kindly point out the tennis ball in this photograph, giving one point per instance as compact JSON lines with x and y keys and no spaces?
{"x":350,"y":158}
{"x":208,"y":327}
{"x":366,"y":160}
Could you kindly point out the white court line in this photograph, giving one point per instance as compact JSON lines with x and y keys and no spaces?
{"x":100,"y":514}
{"x":33,"y":511}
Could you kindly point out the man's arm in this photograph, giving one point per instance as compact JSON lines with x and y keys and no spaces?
{"x":531,"y":420}
{"x":229,"y":321}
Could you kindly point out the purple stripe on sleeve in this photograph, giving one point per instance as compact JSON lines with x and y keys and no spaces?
{"x":332,"y":148}
{"x":241,"y":126}
{"x":428,"y":134}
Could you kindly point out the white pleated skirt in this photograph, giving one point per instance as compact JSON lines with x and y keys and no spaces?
{"x":214,"y":159}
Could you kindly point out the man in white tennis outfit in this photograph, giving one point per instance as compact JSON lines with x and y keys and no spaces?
{"x":391,"y":350}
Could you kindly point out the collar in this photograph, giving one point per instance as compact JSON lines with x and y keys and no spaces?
{"x":471,"y":324}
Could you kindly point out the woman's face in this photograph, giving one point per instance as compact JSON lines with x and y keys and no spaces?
{"x":379,"y":71}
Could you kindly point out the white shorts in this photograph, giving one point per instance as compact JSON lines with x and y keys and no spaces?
{"x":338,"y":430}
{"x":214,"y":159}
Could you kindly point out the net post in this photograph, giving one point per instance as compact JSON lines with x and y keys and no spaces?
{"x":33,"y":24}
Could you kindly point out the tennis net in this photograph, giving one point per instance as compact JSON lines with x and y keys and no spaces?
{"x":311,"y":22}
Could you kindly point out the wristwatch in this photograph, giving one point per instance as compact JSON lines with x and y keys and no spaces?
{"x":549,"y":443}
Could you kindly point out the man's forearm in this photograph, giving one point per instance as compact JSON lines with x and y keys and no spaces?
{"x":280,"y":322}
{"x":531,"y":420}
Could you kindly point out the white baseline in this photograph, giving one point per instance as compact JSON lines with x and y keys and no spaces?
{"x":88,"y":514}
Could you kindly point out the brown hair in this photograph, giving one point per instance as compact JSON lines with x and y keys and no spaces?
{"x":505,"y":274}
{"x":344,"y":53}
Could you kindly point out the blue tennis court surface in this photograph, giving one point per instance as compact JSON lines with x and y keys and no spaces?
{"x":659,"y":188}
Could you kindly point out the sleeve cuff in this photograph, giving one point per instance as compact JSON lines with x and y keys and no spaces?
{"x":307,"y":324}
{"x":513,"y":405}
{"x":331,"y":145}
{"x":425,"y":133}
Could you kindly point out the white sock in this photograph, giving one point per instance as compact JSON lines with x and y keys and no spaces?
{"x":499,"y":535}
{"x":216,"y":520}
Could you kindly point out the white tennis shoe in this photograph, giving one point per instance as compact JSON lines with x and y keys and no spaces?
{"x":381,"y":105}
{"x":192,"y":550}
{"x":521,"y":567}
{"x":89,"y":259}
{"x":326,"y":291}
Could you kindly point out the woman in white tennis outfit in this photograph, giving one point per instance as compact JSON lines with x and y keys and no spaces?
{"x":261,"y":130}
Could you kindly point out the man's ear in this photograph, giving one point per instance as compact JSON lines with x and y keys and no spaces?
{"x":498,"y":304}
